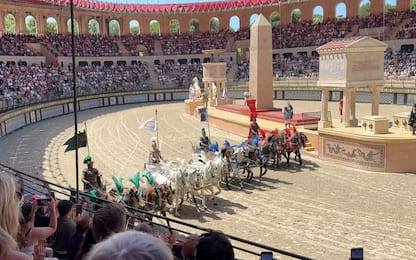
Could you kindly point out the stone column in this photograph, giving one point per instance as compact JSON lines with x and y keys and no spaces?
{"x":2,"y":27}
{"x":20,"y":23}
{"x":346,"y":120}
{"x":375,"y":100}
{"x":82,"y":25}
{"x":324,"y":122}
{"x":63,"y":24}
{"x":354,"y":120}
{"x":261,"y":66}
{"x":104,"y":26}
{"x":41,"y":24}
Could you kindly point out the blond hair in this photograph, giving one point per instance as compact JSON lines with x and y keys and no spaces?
{"x":9,"y":214}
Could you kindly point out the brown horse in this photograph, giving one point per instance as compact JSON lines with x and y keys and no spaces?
{"x":157,"y":198}
{"x":293,"y":145}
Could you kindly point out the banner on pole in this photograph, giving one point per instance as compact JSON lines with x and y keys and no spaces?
{"x":150,"y":124}
{"x":82,"y":141}
{"x":204,"y":114}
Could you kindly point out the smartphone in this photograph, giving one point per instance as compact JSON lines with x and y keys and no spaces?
{"x":266,"y":256}
{"x":43,"y":202}
{"x":53,"y":194}
{"x":357,"y":253}
{"x":78,"y":209}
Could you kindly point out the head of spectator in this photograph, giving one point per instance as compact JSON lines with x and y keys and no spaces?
{"x":87,"y":243}
{"x":82,"y":224}
{"x":108,"y":220}
{"x":27,"y":213}
{"x":189,"y":246}
{"x":214,"y":245}
{"x":74,"y":242}
{"x":144,"y":227}
{"x":64,"y":207}
{"x":9,"y":216}
{"x":131,"y":245}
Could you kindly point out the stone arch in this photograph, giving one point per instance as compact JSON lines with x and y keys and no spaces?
{"x":275,"y":19}
{"x":214,"y":24}
{"x":76,"y":26}
{"x":296,"y":16}
{"x":154,"y":27}
{"x":340,"y":11}
{"x":234,"y":23}
{"x":253,"y":18}
{"x":52,"y":25}
{"x":194,"y":25}
{"x":93,"y":26}
{"x":318,"y":14}
{"x":134,"y":27}
{"x":10,"y":23}
{"x":31,"y":24}
{"x":174,"y":26}
{"x":114,"y":27}
{"x":365,"y":8}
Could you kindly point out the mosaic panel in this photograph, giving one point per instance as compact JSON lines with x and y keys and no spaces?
{"x":362,"y":154}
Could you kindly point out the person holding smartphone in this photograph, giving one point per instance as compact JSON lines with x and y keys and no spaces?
{"x":29,"y":235}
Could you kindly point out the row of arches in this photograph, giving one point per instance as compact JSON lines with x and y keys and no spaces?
{"x":176,"y":26}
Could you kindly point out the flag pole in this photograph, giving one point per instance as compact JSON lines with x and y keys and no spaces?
{"x":209,"y":129}
{"x":74,"y":84}
{"x":157,"y":129}
{"x":86,"y":136}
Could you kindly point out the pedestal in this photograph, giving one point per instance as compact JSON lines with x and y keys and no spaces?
{"x":400,"y":121}
{"x":191,"y":105}
{"x":375,"y":124}
{"x":225,"y":101}
{"x":324,"y":124}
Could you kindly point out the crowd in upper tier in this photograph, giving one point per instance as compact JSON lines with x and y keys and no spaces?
{"x":24,"y":83}
{"x":303,"y":34}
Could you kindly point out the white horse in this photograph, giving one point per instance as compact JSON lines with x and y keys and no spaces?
{"x":213,"y":171}
{"x":187,"y":180}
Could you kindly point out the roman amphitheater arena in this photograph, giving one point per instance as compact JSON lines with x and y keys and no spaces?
{"x":120,"y":63}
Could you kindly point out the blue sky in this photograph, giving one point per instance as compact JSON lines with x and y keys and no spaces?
{"x":341,"y":8}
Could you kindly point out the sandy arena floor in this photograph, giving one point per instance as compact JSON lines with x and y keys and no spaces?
{"x":320,"y":210}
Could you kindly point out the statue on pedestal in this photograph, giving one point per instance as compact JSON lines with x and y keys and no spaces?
{"x":197,"y":88}
{"x":214,"y":92}
{"x":192,"y":92}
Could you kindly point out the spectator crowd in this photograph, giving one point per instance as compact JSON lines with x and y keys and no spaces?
{"x":23,"y":83}
{"x":44,"y":228}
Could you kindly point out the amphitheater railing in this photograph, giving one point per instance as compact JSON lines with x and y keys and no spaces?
{"x":30,"y":185}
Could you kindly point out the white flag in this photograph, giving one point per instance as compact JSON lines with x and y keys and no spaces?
{"x":150,"y":124}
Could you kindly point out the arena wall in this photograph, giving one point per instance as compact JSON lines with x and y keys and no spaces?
{"x":41,"y":12}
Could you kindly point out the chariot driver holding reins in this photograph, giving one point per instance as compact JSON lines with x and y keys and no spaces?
{"x":155,"y":156}
{"x":254,"y":129}
{"x":227,"y":153}
{"x":90,"y":176}
{"x":204,"y":141}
